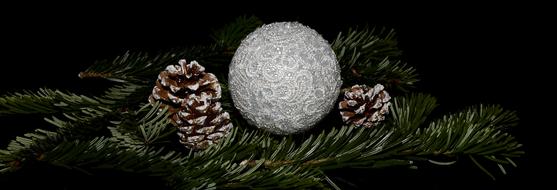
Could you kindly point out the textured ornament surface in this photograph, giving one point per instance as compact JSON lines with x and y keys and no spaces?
{"x":284,"y":78}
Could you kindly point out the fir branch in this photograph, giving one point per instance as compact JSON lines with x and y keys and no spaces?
{"x":493,"y":116}
{"x":31,"y":147}
{"x":82,"y":116}
{"x":143,"y":68}
{"x":130,"y":66}
{"x":220,"y":165}
{"x":468,"y":133}
{"x":365,"y":55}
{"x":372,"y":45}
{"x":101,"y":153}
{"x":455,"y":135}
{"x":339,"y":147}
{"x":238,"y":145}
{"x":125,"y":95}
{"x":247,"y":157}
{"x":285,"y":177}
{"x":231,"y":35}
{"x":87,"y":156}
{"x":27,"y":149}
{"x":47,"y":101}
{"x":476,"y":133}
{"x":393,"y":74}
{"x":43,"y":101}
{"x":143,"y":128}
{"x":86,"y":123}
{"x":410,"y":112}
{"x":230,"y":175}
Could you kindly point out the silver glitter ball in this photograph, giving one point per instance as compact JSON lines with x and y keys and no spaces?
{"x":284,"y":78}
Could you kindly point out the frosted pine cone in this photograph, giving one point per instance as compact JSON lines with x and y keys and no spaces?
{"x":177,"y":82}
{"x":364,"y":106}
{"x":203,"y":123}
{"x":191,"y":96}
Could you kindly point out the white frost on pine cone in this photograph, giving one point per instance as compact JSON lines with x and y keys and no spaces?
{"x":284,"y":78}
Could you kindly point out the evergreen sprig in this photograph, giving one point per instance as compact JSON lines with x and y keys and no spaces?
{"x":460,"y":134}
{"x":231,"y":35}
{"x":143,"y":67}
{"x":473,"y":132}
{"x":48,"y":101}
{"x":143,"y":128}
{"x":371,"y":56}
{"x":118,"y":131}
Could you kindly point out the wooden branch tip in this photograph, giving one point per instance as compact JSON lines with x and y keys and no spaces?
{"x":278,"y":163}
{"x":86,"y":74}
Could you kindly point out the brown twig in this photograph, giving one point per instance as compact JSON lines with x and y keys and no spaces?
{"x":86,"y":74}
{"x":278,"y":163}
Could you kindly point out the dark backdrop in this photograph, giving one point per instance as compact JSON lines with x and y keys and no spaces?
{"x":464,"y":56}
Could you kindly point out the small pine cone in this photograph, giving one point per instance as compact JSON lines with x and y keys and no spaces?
{"x":191,"y":96}
{"x":177,"y":82}
{"x":203,"y":123}
{"x":364,"y":106}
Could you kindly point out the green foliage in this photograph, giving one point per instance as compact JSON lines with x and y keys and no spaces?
{"x":250,"y":158}
{"x":143,"y":68}
{"x":47,"y":101}
{"x":411,"y":112}
{"x":100,"y":153}
{"x":476,"y":132}
{"x":26,"y":149}
{"x":140,"y":67}
{"x":231,"y":35}
{"x":118,"y":131}
{"x":143,"y":128}
{"x":369,"y":56}
{"x":42,"y":101}
{"x":79,"y":123}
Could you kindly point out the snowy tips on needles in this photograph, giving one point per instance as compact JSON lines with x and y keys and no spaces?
{"x":284,"y":78}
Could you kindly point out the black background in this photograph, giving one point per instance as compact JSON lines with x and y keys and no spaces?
{"x":465,"y":55}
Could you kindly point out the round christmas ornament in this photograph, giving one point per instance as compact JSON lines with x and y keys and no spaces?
{"x":284,"y":78}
